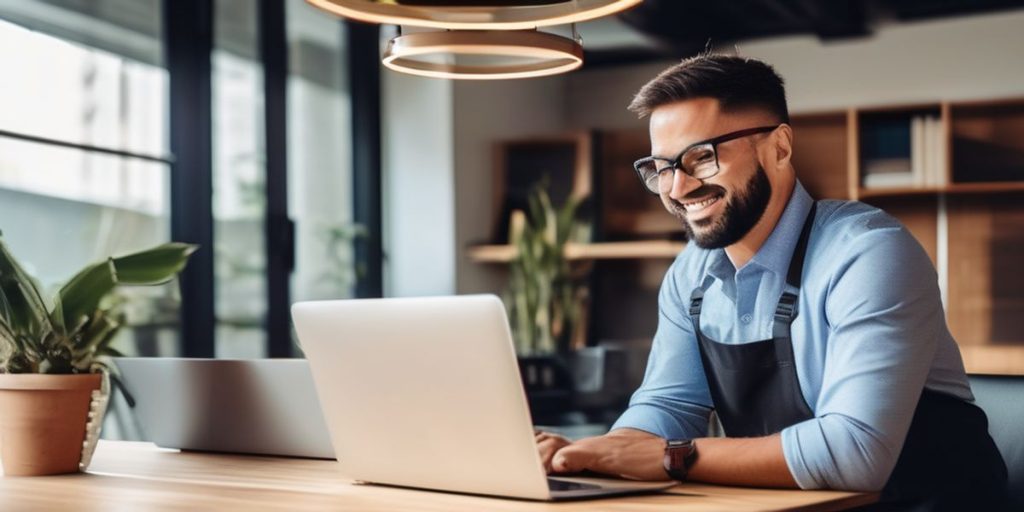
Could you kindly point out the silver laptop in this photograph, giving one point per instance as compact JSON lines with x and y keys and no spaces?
{"x":426,"y":393}
{"x":266,"y":406}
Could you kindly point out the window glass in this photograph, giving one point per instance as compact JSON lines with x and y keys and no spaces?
{"x":239,"y":182}
{"x":62,"y":208}
{"x":319,"y":155}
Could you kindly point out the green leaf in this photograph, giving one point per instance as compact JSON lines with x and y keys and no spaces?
{"x":21,"y":305}
{"x":81,"y":296}
{"x":108,"y":351}
{"x":154,"y":266}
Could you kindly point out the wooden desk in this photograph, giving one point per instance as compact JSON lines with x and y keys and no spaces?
{"x":141,"y":477}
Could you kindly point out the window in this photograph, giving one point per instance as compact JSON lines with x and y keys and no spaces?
{"x":319,"y":155}
{"x":86,"y":107}
{"x":239,"y":182}
{"x":83,"y":144}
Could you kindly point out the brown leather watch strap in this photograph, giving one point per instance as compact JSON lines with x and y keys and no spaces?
{"x":679,"y":457}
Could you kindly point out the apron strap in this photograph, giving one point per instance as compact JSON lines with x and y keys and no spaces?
{"x":786,"y":310}
{"x":697,"y":301}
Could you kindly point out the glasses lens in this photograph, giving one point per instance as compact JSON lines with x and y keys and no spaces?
{"x":700,"y":162}
{"x":647,"y":169}
{"x":646,"y":166}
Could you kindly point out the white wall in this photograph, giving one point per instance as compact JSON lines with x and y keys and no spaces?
{"x":487,"y":112}
{"x":951,"y":59}
{"x":419,"y":185}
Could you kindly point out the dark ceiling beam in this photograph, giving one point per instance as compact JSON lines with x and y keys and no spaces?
{"x":684,"y":27}
{"x":791,"y":14}
{"x":836,"y":19}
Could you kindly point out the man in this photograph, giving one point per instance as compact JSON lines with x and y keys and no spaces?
{"x":814,"y":330}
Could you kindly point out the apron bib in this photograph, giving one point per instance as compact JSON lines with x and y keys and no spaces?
{"x":948,"y":462}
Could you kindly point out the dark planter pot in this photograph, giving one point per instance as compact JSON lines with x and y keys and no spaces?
{"x":591,"y":385}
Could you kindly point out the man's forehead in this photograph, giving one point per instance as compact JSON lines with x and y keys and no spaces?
{"x":676,"y":125}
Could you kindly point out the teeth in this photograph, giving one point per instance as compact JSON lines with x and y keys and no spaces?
{"x":700,"y":205}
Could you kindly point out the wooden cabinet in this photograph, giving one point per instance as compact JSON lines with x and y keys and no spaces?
{"x":971,"y":222}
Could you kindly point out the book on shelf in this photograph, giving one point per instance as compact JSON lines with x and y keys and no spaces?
{"x":941,"y":153}
{"x":918,"y":150}
{"x":886,"y":153}
{"x":907,"y":153}
{"x":933,"y":157}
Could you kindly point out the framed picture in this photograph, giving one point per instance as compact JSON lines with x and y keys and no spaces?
{"x":562,"y":161}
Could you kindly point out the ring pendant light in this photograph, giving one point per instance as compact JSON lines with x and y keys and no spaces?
{"x":474,"y":15}
{"x":483,"y":55}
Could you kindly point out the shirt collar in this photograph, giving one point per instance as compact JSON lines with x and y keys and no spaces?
{"x":777,"y":250}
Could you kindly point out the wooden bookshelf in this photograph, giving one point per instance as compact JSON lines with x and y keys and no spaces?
{"x":646,"y":249}
{"x":971,"y":223}
{"x":974,"y":221}
{"x":953,"y":189}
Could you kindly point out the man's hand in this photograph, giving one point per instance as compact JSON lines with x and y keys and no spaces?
{"x":626,"y":453}
{"x":547,"y":445}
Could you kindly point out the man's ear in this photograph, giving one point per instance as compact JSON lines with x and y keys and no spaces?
{"x":783,"y":137}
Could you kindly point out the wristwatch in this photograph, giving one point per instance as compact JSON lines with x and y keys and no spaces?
{"x":680,"y":455}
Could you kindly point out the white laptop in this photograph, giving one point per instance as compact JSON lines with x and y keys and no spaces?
{"x":259,"y":406}
{"x":426,"y":393}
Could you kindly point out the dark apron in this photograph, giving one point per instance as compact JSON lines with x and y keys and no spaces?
{"x":948,"y":462}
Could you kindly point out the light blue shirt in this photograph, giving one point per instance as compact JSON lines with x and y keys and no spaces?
{"x":870,"y":334}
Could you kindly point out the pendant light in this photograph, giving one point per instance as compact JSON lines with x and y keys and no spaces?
{"x":474,"y":14}
{"x":479,"y":39}
{"x":483,"y":54}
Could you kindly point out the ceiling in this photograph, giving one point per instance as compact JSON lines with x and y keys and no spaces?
{"x":654,"y":30}
{"x":660,"y":29}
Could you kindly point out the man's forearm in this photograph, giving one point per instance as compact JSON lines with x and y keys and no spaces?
{"x":751,"y":461}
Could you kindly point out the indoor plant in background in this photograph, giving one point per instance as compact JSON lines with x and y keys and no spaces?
{"x":53,"y":377}
{"x":547,"y":294}
{"x":547,"y":300}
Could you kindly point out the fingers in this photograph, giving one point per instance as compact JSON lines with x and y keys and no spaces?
{"x":572,"y":459}
{"x":547,"y":445}
{"x":628,"y":455}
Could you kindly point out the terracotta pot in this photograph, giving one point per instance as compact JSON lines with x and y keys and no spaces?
{"x":42,"y":422}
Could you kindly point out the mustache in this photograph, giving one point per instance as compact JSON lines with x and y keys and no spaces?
{"x":700,"y":193}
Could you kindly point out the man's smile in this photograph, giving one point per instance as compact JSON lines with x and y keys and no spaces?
{"x":696,"y":205}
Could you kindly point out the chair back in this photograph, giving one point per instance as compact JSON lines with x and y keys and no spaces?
{"x":1002,"y":399}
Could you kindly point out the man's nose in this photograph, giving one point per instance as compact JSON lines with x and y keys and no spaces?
{"x":682,"y":184}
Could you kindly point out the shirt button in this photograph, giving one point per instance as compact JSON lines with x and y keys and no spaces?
{"x":746,"y":318}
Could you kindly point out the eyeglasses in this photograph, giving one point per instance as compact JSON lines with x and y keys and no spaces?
{"x":699,"y":160}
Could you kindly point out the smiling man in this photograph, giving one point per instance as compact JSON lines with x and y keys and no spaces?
{"x":814,"y":329}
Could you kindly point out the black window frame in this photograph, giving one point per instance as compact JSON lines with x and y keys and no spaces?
{"x":188,"y":38}
{"x":188,"y":44}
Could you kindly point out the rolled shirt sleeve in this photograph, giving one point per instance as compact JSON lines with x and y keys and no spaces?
{"x":883,"y":310}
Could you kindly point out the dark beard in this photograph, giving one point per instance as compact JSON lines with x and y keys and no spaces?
{"x":740,"y":215}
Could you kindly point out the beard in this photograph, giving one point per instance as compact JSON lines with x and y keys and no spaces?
{"x":740,"y":215}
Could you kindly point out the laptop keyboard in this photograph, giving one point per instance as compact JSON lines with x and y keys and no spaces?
{"x":562,"y":485}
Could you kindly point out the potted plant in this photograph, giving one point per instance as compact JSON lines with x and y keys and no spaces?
{"x":53,"y":375}
{"x":547,"y":294}
{"x":547,"y":300}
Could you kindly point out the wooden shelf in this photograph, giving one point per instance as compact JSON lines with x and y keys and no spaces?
{"x":991,"y":187}
{"x":993,"y":359}
{"x":646,"y":249}
{"x":867,"y":193}
{"x":956,"y":188}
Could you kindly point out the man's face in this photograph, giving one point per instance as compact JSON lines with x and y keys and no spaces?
{"x":723,"y":209}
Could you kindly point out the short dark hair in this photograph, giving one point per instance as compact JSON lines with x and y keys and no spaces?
{"x":736,"y":82}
